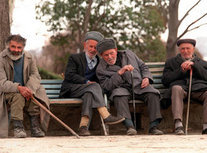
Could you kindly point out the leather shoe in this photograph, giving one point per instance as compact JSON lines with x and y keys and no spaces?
{"x":155,"y":131}
{"x":179,"y":131}
{"x":113,"y":120}
{"x":83,"y":131}
{"x":204,"y":131}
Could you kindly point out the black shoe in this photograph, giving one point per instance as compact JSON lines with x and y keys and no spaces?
{"x":204,"y":131}
{"x":83,"y":131}
{"x":155,"y":131}
{"x":131,"y":131}
{"x":179,"y":131}
{"x":113,"y":120}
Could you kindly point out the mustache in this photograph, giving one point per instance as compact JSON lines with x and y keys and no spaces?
{"x":15,"y":53}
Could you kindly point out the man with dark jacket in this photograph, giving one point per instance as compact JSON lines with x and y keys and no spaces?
{"x":176,"y":77}
{"x":114,"y":74}
{"x":81,"y":82}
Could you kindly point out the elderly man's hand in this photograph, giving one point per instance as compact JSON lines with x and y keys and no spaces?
{"x":25,"y":92}
{"x":125,"y":68}
{"x":145,"y":82}
{"x":187,"y":65}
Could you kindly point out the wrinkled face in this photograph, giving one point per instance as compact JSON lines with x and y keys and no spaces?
{"x":110,"y":56}
{"x":16,"y":48}
{"x":186,"y":50}
{"x":90,"y":48}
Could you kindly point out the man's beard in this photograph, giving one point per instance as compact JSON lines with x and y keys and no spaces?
{"x":15,"y":55}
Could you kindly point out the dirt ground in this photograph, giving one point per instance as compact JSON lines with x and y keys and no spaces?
{"x":107,"y":144}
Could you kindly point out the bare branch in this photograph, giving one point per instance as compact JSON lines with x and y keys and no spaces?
{"x":186,"y":14}
{"x":187,"y":29}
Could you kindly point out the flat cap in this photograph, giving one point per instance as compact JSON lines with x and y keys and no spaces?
{"x":191,"y":41}
{"x":94,"y":35}
{"x":105,"y":45}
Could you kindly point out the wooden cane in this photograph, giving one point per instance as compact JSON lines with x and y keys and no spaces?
{"x":188,"y":105}
{"x":57,"y":119}
{"x":133,"y":101}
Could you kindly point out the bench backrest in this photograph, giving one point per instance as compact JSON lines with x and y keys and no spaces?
{"x":156,"y":68}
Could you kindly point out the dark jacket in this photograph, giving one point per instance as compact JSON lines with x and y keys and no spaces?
{"x":75,"y":72}
{"x":173,"y":75}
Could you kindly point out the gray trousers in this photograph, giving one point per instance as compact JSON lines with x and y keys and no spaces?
{"x":177,"y":97}
{"x":151,"y":99}
{"x":92,"y":97}
{"x":18,"y":104}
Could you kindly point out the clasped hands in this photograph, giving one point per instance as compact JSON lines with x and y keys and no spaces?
{"x":145,"y":81}
{"x":187,"y":65}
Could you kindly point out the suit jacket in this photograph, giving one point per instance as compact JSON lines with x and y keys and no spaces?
{"x":115,"y":84}
{"x":75,"y":73}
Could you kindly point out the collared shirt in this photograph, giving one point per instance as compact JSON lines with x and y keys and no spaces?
{"x":91,"y":62}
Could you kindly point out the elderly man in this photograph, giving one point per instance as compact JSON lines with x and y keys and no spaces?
{"x":81,"y":82}
{"x":176,"y":77}
{"x":19,"y":81}
{"x":114,"y":74}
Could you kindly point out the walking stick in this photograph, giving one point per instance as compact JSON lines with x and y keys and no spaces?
{"x":188,"y":105}
{"x":133,"y":101}
{"x":57,"y":119}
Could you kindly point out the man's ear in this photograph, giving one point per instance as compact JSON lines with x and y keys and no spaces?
{"x":84,"y":44}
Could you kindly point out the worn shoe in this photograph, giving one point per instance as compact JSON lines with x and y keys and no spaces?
{"x":19,"y":133}
{"x":83,"y":131}
{"x":36,"y":131}
{"x":131,"y":131}
{"x":155,"y":131}
{"x":179,"y":131}
{"x":113,"y":119}
{"x":204,"y":131}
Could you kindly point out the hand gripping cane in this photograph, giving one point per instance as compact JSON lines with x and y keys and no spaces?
{"x":133,"y":101}
{"x":188,"y":105}
{"x":57,"y":119}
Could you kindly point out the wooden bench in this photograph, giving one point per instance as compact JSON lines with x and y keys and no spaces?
{"x":52,"y":88}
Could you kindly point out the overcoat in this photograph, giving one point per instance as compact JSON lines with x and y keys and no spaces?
{"x":173,"y":75}
{"x":31,"y":80}
{"x":114,"y":83}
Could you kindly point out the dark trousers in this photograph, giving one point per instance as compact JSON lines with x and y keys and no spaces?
{"x":151,"y":99}
{"x":91,"y":94}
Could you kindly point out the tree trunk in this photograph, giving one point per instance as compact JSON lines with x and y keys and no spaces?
{"x":173,"y":25}
{"x":4,"y":23}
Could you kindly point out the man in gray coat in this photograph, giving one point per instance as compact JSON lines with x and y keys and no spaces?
{"x":19,"y":81}
{"x":114,"y":73}
{"x":176,"y":76}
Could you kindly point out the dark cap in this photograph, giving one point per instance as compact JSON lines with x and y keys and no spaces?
{"x":105,"y":45}
{"x":191,"y":41}
{"x":94,"y":35}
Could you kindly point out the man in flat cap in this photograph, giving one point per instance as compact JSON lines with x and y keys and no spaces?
{"x":114,"y":74}
{"x":176,"y":76}
{"x":81,"y":82}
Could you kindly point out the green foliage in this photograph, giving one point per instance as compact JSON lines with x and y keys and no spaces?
{"x":134,"y":24}
{"x":48,"y":75}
